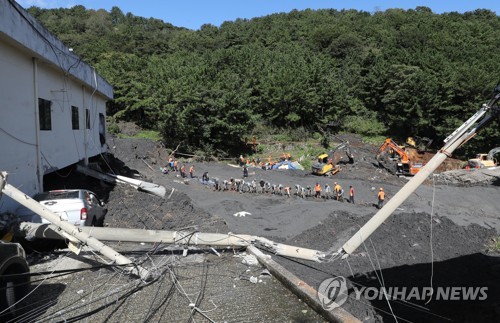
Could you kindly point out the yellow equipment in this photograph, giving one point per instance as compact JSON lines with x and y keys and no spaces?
{"x":327,"y":163}
{"x":421,"y":144}
{"x":484,"y":160}
{"x":324,"y":166}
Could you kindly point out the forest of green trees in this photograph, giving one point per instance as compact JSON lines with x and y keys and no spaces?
{"x":391,"y":73}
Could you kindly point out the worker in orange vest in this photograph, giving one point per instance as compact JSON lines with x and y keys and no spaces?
{"x":183,"y":171}
{"x":191,"y":171}
{"x":381,"y":197}
{"x":176,"y":163}
{"x":317,"y":189}
{"x":337,"y":189}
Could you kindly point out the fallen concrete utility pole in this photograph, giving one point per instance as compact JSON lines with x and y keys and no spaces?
{"x":461,"y":135}
{"x":50,"y":231}
{"x":302,"y":289}
{"x":69,"y":229}
{"x":114,"y":179}
{"x":188,"y":238}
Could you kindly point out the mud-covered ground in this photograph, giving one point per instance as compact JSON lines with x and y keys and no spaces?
{"x":408,"y":250}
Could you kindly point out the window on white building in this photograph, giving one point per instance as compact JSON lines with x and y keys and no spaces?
{"x":44,"y":113}
{"x":87,"y":118}
{"x":75,"y":118}
{"x":102,"y":129}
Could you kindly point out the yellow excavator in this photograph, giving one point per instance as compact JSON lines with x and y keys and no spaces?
{"x":421,"y":144}
{"x":327,"y":163}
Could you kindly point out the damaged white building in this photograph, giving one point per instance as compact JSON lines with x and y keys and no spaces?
{"x":52,"y":104}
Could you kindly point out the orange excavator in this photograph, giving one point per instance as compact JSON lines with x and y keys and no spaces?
{"x":395,"y":159}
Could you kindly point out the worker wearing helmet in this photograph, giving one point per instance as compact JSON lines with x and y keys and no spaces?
{"x":337,"y":189}
{"x":381,"y":197}
{"x":317,"y":190}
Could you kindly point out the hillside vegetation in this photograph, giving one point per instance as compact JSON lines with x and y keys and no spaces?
{"x":394,"y":73}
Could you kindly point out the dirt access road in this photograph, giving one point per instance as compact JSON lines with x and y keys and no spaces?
{"x":406,"y":251}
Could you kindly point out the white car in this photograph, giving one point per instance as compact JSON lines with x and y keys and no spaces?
{"x":79,"y":207}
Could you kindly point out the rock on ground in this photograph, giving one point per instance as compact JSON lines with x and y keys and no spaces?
{"x":472,"y":177}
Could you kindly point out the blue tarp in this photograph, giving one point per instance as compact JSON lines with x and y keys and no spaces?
{"x":287,"y":165}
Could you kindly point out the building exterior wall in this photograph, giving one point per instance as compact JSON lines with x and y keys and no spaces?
{"x":62,"y":145}
{"x":29,"y":70}
{"x":17,"y":120}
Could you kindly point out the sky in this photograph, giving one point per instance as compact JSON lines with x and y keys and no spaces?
{"x":193,"y":14}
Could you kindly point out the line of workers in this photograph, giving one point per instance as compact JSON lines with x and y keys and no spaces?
{"x":337,"y":189}
{"x":339,"y":193}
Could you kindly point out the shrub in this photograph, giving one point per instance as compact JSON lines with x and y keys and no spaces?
{"x":364,"y":125}
{"x":113,"y":129}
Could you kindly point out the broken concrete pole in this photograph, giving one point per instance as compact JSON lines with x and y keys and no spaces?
{"x":49,"y":231}
{"x":188,"y":238}
{"x":302,"y":289}
{"x":152,"y":188}
{"x":70,"y":229}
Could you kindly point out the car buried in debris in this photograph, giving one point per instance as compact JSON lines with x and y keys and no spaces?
{"x":77,"y":206}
